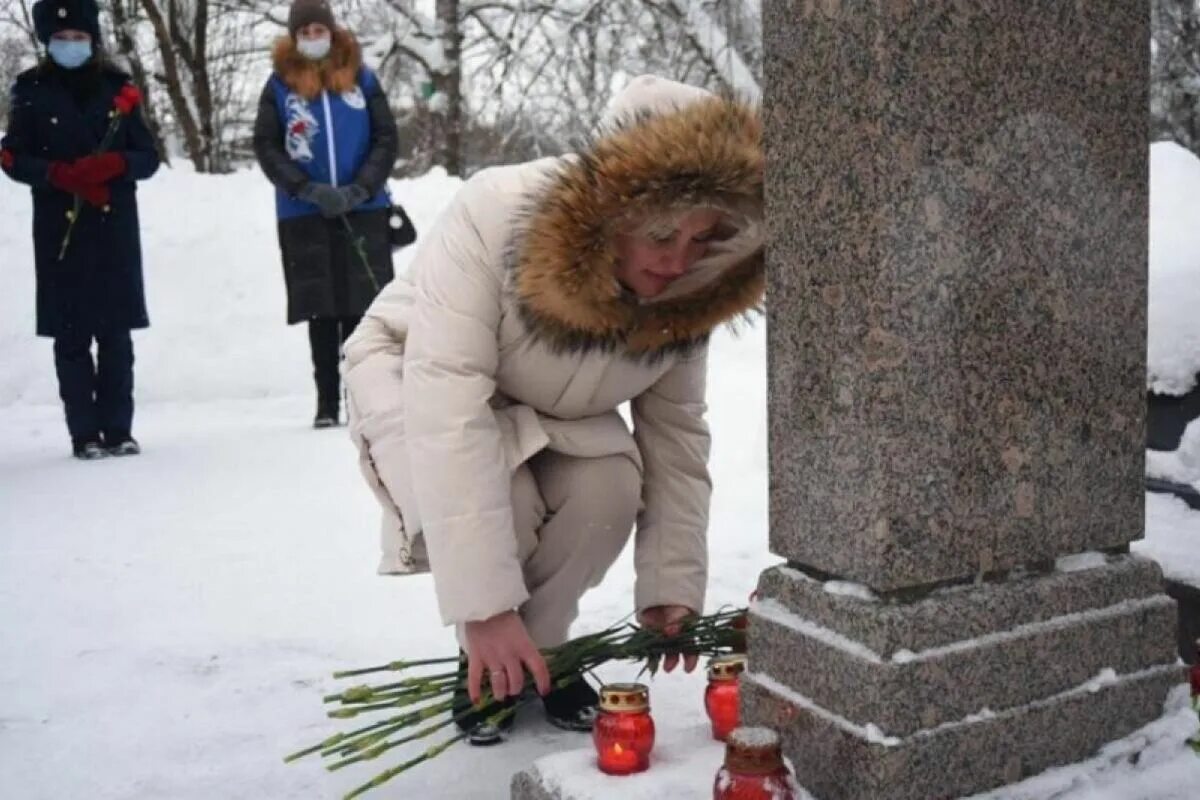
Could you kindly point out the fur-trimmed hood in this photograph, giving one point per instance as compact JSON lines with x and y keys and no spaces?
{"x":337,"y":72}
{"x":666,"y":148}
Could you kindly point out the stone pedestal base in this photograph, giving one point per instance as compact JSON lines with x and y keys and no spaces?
{"x":962,"y":690}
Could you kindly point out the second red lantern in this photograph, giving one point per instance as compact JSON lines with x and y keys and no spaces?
{"x":722,"y":697}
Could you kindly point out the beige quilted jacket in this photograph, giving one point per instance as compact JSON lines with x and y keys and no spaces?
{"x":510,"y":335}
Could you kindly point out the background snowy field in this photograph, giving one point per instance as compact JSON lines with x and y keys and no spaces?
{"x":168,"y":622}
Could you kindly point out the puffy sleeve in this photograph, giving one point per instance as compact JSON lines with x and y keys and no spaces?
{"x":17,"y":154}
{"x":377,"y":166}
{"x":268,"y":146}
{"x":436,"y":396}
{"x":671,"y":550}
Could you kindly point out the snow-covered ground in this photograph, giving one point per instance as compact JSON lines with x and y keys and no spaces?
{"x":168,"y":622}
{"x":1173,"y":351}
{"x":1174,"y":288}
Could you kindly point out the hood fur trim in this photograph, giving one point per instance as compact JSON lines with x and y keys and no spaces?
{"x":337,"y":72}
{"x":706,"y":154}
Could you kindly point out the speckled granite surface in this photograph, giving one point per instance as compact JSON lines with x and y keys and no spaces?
{"x":962,"y":612}
{"x":836,"y":764}
{"x":908,"y":687}
{"x":957,"y":210}
{"x":957,"y":204}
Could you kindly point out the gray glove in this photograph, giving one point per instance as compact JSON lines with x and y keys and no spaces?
{"x":354,"y":195}
{"x":329,"y":199}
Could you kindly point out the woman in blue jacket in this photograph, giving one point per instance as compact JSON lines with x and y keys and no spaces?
{"x":326,"y":139}
{"x":59,"y":115}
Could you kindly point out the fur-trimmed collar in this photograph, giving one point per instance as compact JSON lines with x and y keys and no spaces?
{"x":337,"y":72}
{"x":708,"y":153}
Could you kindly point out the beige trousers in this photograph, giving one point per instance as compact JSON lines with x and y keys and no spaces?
{"x":573,"y":517}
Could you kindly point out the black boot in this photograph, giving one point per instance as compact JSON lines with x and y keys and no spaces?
{"x":88,"y":450}
{"x":122,"y":445}
{"x":572,"y":707}
{"x":323,"y":340}
{"x":480,"y":731}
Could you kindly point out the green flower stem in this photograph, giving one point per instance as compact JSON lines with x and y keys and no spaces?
{"x":332,"y":740}
{"x":77,"y":207}
{"x":395,"y":666}
{"x":374,"y":737}
{"x":342,"y":738}
{"x":374,"y":702}
{"x":379,"y":749}
{"x":359,"y":248}
{"x":387,"y":775}
{"x":712,"y":635}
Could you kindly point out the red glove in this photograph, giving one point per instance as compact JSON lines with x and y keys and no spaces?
{"x":100,"y":168}
{"x":65,"y":177}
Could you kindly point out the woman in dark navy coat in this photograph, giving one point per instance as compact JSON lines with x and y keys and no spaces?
{"x":59,"y":115}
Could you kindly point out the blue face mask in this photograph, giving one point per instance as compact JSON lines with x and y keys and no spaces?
{"x":68,"y":54}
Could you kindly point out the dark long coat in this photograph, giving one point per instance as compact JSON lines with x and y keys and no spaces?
{"x":325,"y":272}
{"x":55,"y":116}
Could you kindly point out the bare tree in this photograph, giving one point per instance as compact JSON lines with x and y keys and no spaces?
{"x":16,"y":16}
{"x":173,"y":81}
{"x":447,"y":88}
{"x":123,"y":14}
{"x":472,"y":82}
{"x":1175,"y":71}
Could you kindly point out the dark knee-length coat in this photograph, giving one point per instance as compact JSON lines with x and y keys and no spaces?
{"x":97,"y":287}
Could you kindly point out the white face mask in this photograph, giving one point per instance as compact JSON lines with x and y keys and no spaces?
{"x":313,"y":49}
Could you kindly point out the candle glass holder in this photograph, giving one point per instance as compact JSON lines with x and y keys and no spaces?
{"x":1194,"y":674}
{"x":624,"y":730}
{"x":722,"y":696}
{"x":753,"y":768}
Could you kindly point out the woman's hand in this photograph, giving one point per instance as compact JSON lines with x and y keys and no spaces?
{"x":668,"y":620}
{"x":326,"y":198}
{"x":502,"y":646}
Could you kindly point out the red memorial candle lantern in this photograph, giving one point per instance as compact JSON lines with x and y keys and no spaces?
{"x":1195,"y":672}
{"x":754,"y":768}
{"x":721,"y":698}
{"x":624,"y":730}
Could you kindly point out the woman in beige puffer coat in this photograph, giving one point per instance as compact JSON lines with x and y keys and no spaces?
{"x":484,"y":387}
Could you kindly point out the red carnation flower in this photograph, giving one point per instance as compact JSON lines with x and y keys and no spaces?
{"x":129,"y":98}
{"x":6,"y":159}
{"x":298,"y":127}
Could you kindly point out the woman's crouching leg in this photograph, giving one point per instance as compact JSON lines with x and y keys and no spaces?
{"x":590,"y":508}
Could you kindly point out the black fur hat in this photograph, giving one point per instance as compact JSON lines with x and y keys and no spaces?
{"x":52,"y":16}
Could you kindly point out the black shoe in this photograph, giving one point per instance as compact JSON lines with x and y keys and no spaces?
{"x":88,"y":450}
{"x":475,"y":724}
{"x":573,"y":707}
{"x":126,"y":446}
{"x":325,"y":421}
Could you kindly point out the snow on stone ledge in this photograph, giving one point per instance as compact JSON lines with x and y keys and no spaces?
{"x":1080,"y":561}
{"x":1152,"y":763}
{"x":851,"y":589}
{"x":757,"y":738}
{"x":1172,"y":538}
{"x":1173,"y":351}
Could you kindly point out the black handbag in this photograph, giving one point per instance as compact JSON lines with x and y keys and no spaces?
{"x":401,"y":231}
